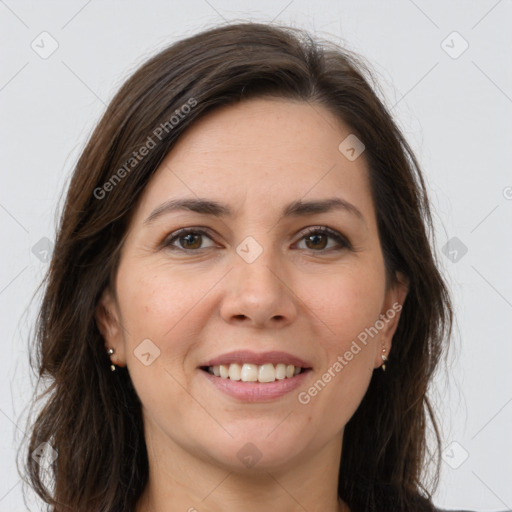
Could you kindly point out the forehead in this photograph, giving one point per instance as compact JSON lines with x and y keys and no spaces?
{"x":262,"y":153}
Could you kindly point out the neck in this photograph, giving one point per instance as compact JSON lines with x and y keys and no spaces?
{"x":181,"y":481}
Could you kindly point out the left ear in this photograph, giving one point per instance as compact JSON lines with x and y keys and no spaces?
{"x":390,"y":315}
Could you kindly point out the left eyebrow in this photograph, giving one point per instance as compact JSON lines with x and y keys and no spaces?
{"x":297,"y":208}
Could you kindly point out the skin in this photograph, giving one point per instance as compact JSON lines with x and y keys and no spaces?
{"x":303,"y":295}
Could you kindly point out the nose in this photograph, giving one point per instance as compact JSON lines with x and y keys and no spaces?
{"x":258,"y":294}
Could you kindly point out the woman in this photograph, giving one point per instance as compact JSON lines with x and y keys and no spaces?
{"x":243,"y":309}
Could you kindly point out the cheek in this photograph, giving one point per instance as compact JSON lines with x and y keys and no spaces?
{"x":161,"y":305}
{"x":347,"y":302}
{"x":348,"y":305}
{"x":157,"y":304}
{"x":157,"y":299}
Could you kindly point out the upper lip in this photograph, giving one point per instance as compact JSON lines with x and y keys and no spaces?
{"x":247,"y":356}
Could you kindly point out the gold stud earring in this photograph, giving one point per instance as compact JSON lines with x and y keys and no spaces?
{"x":384,"y":359}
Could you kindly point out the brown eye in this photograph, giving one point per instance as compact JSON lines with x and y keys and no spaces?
{"x":317,"y":239}
{"x":190,"y":241}
{"x":187,"y":240}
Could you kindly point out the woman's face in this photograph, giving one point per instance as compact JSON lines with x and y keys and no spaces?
{"x":254,"y":287}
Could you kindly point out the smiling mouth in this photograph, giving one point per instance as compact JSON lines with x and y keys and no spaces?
{"x":249,"y":372}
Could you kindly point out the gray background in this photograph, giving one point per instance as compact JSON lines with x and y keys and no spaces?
{"x":454,"y":107}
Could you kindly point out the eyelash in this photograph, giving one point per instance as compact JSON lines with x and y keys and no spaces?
{"x":323,"y":230}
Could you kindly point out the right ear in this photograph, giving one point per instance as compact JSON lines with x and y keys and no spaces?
{"x":109,"y":325}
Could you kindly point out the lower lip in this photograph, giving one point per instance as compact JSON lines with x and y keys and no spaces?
{"x":256,"y":391}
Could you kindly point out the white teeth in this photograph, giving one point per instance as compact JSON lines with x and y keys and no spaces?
{"x":267,"y":373}
{"x":223,"y":370}
{"x":254,"y":373}
{"x":280,"y":371}
{"x":234,"y":371}
{"x":249,"y":373}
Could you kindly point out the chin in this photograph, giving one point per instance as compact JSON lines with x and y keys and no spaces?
{"x":254,"y":450}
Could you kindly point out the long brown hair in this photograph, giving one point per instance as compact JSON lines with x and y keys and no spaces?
{"x":92,"y":417}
